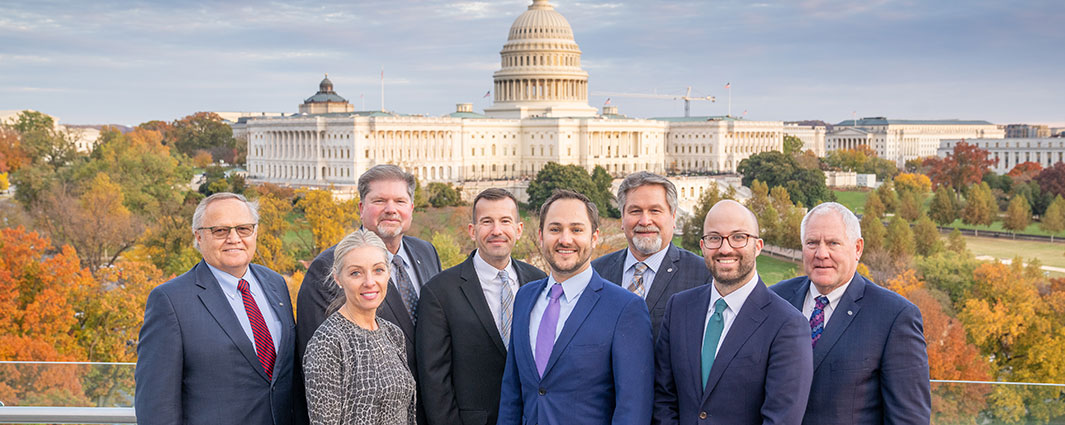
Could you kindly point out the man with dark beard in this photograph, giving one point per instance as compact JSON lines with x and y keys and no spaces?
{"x":732,"y":352}
{"x":651,"y":266}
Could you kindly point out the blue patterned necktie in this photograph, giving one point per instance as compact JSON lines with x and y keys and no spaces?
{"x":817,"y":318}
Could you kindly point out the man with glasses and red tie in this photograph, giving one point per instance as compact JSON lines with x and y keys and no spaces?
{"x":217,"y":344}
{"x":731,"y":352}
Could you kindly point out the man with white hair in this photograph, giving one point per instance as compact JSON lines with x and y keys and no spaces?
{"x":870,"y":360}
{"x":651,"y":266}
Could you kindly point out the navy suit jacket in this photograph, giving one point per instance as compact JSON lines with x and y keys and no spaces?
{"x":871,"y":363}
{"x":761,"y":373}
{"x":196,"y":365}
{"x":318,"y":290}
{"x":461,"y":356}
{"x":601,"y":367}
{"x":680,"y":270}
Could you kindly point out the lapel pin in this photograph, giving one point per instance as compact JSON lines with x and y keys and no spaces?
{"x":850,"y":313}
{"x":669,"y":270}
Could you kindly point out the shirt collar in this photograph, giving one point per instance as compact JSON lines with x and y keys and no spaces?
{"x":833,"y":297}
{"x":489,"y":273}
{"x":653,"y":262}
{"x":401,"y":253}
{"x":573,"y":286}
{"x":228,"y":282}
{"x":737,"y":298}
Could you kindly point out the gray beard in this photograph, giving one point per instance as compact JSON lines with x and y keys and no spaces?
{"x":647,"y":246}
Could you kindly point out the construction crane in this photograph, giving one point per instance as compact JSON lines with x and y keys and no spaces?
{"x":686,"y":97}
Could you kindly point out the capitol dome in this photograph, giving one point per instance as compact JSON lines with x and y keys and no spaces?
{"x":540,"y":71}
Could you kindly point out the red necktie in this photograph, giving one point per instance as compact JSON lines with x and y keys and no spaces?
{"x":264,"y":343}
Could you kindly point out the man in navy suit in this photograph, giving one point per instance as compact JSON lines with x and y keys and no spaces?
{"x":870,"y":360}
{"x":651,"y":267}
{"x":386,"y":206}
{"x":731,"y":352}
{"x":217,"y":342}
{"x":465,"y":315}
{"x":581,"y":350}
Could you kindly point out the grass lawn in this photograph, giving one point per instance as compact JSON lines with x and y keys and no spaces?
{"x":773,"y":270}
{"x":853,"y":199}
{"x":1032,"y":229}
{"x":1050,"y":254}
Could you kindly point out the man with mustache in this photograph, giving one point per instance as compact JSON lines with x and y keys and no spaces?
{"x":651,"y":266}
{"x":732,"y":352}
{"x":870,"y":360}
{"x":581,"y":349}
{"x":386,"y":204}
{"x":465,"y":315}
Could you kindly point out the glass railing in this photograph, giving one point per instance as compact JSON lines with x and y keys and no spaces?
{"x":96,"y":393}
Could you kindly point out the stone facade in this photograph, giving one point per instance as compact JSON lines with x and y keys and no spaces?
{"x":903,"y":140}
{"x":1010,"y":152}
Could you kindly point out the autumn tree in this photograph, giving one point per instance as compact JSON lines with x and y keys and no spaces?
{"x":449,"y":250}
{"x":12,"y":156}
{"x":919,"y":184}
{"x":862,"y":160}
{"x":692,"y":225}
{"x":910,"y":206}
{"x":202,"y":159}
{"x":926,"y":236}
{"x":273,"y":226}
{"x":963,"y":167}
{"x":1018,"y":215}
{"x":1053,"y":220}
{"x":980,"y":207}
{"x":873,"y":206}
{"x":873,"y":232}
{"x":888,"y":197}
{"x":1025,"y":171}
{"x":329,"y":219}
{"x":943,"y":209}
{"x":1052,"y":179}
{"x":899,"y":241}
{"x":955,"y":242}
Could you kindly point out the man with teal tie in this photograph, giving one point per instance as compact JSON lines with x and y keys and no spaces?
{"x":731,"y":352}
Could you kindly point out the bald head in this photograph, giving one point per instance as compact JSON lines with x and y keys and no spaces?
{"x":733,"y":212}
{"x":730,"y":245}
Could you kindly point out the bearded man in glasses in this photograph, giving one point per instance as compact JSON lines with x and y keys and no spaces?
{"x":218,"y":342}
{"x":731,"y":352}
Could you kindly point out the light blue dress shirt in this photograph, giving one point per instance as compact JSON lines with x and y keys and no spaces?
{"x":653,"y":263}
{"x":572,"y":289}
{"x":228,"y":283}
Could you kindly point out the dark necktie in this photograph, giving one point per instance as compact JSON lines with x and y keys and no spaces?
{"x":817,"y":318}
{"x":406,"y":288}
{"x":264,"y":343}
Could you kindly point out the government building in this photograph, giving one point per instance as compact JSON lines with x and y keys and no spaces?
{"x":903,"y":140}
{"x":540,"y":114}
{"x":1009,"y":152}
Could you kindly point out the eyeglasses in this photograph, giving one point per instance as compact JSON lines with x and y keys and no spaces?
{"x":735,"y":240}
{"x":222,"y":232}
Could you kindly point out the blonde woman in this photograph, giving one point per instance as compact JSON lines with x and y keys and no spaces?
{"x":356,"y":364}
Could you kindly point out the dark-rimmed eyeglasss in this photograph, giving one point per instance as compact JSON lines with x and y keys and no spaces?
{"x":735,"y":240}
{"x":222,"y":232}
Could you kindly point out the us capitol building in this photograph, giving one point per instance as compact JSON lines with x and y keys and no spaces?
{"x":540,"y":114}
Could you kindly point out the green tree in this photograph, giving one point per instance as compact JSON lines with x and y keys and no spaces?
{"x":692,"y":225}
{"x":804,"y":185}
{"x":980,"y":207}
{"x":873,"y":206}
{"x":926,"y":236}
{"x":1053,"y":220}
{"x":556,"y":176}
{"x":789,"y":228}
{"x":443,"y":195}
{"x":205,"y":131}
{"x":888,"y":197}
{"x":603,"y":195}
{"x":910,"y":206}
{"x":873,"y":233}
{"x":792,"y":144}
{"x":449,"y":250}
{"x":943,"y":209}
{"x":899,"y":239}
{"x":955,"y":242}
{"x":1018,"y":215}
{"x":949,"y":271}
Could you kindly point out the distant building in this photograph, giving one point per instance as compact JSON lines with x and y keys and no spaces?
{"x":812,"y":136}
{"x":84,"y":137}
{"x":1010,"y":152}
{"x":1027,"y":131}
{"x":903,"y":140}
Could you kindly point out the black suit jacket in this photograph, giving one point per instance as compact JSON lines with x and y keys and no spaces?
{"x":680,"y":270}
{"x":460,"y":354}
{"x":871,"y":363}
{"x":318,"y":290}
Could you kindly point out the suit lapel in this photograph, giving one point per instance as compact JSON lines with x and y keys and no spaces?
{"x":743,"y":326}
{"x":274,"y":297}
{"x":842,"y":317}
{"x":663,"y":277}
{"x":215,"y":301}
{"x":614,"y":270}
{"x":693,"y":333}
{"x":420,"y":266}
{"x":584,"y":306}
{"x":471,"y":289}
{"x":394,"y":302}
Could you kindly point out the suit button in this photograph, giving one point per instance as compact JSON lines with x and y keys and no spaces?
{"x":702,"y":415}
{"x":543,"y":391}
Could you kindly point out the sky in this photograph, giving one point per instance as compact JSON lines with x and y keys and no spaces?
{"x":128,"y":62}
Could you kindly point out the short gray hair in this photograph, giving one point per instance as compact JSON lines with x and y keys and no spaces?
{"x":641,"y":178}
{"x":851,"y":226}
{"x":385,"y":172}
{"x":201,"y":209}
{"x":358,"y":239}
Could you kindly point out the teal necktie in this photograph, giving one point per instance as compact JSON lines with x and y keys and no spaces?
{"x":712,"y":335}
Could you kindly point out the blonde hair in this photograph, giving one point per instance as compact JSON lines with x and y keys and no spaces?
{"x":358,"y":239}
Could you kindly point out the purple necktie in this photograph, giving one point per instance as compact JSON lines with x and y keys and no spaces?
{"x":545,"y":337}
{"x":817,"y":318}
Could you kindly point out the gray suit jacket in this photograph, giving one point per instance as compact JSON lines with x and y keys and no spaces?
{"x":680,"y":270}
{"x":197,"y":366}
{"x":317,"y":291}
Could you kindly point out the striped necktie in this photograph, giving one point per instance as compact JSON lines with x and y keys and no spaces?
{"x":506,"y":310}
{"x":264,"y":343}
{"x":636,"y":286}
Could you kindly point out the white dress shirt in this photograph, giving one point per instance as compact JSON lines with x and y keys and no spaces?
{"x":653,"y":263}
{"x":488,"y":275}
{"x":833,"y":300}
{"x":228,"y":283}
{"x":735,"y":302}
{"x":572,"y":289}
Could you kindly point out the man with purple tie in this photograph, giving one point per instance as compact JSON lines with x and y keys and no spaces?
{"x":581,"y":349}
